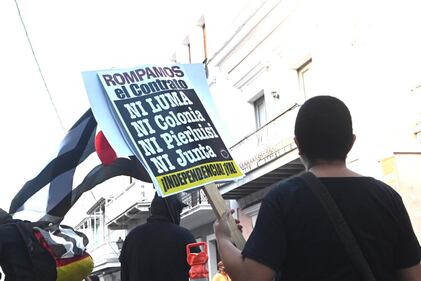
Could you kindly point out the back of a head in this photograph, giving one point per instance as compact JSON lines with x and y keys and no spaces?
{"x":169,"y":207}
{"x":323,"y":129}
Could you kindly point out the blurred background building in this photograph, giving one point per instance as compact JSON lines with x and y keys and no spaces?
{"x":263,"y":59}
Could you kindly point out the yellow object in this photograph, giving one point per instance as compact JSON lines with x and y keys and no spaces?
{"x":76,"y":270}
{"x":221,"y":277}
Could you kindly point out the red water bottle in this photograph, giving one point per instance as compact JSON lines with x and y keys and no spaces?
{"x":198,"y":262}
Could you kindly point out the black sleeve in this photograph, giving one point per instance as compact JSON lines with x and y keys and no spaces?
{"x":408,"y":252}
{"x":266,"y":243}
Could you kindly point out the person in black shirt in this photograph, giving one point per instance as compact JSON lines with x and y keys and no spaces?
{"x":294,"y":236}
{"x":156,"y":250}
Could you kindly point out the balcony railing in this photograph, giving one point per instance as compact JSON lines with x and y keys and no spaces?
{"x":134,"y":194}
{"x":198,"y":212}
{"x":269,"y":142}
{"x":105,"y":253}
{"x":194,"y":198}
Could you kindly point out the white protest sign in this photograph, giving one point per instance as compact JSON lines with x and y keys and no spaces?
{"x":104,"y":114}
{"x":166,"y":125}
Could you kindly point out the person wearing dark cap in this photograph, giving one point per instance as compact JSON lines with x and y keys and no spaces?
{"x":156,"y":250}
{"x":293,"y":234}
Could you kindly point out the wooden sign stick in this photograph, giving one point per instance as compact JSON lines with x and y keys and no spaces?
{"x":220,"y":208}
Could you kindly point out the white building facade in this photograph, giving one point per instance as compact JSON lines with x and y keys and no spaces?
{"x":264,"y":58}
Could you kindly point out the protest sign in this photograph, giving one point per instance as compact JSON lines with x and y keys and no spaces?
{"x":103,"y":114}
{"x":164,"y":122}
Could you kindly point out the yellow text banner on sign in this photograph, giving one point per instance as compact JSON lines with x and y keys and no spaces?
{"x":198,"y":175}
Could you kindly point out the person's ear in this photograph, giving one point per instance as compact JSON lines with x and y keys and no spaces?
{"x":354,"y":137}
{"x":298,"y":145}
{"x":351,"y":144}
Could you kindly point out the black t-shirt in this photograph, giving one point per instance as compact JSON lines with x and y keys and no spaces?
{"x":294,"y":236}
{"x":156,"y":251}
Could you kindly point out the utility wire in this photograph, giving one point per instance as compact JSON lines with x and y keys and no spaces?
{"x":39,"y":69}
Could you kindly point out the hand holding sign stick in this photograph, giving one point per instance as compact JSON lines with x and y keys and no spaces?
{"x":220,"y":208}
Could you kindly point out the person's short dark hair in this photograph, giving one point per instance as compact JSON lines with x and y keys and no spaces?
{"x":169,"y":207}
{"x":323,"y":129}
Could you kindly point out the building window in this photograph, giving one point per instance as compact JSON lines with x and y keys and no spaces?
{"x":260,"y":111}
{"x":305,"y":79}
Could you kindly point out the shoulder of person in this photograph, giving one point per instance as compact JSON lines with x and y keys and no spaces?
{"x":135,"y":231}
{"x":389,"y":193}
{"x":184,"y":234}
{"x":286,"y":187}
{"x":384,"y":189}
{"x":184,"y":230}
{"x":282,"y":194}
{"x":384,"y":186}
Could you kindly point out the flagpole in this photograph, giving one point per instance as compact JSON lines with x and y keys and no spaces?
{"x":220,"y":208}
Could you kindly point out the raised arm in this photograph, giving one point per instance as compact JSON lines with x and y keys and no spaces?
{"x":238,"y":267}
{"x":412,"y":273}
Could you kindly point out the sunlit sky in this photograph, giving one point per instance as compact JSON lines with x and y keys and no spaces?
{"x":69,"y":37}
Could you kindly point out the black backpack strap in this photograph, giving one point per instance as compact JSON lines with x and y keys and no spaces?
{"x":44,"y":265}
{"x":340,"y":225}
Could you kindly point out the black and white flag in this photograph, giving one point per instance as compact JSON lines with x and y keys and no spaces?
{"x":51,"y":194}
